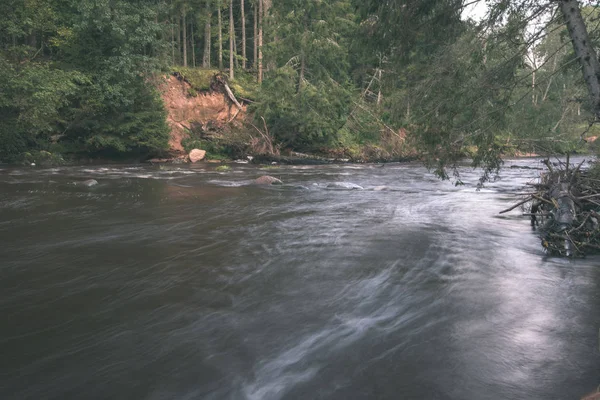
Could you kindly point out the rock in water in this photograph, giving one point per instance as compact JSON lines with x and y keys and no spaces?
{"x":381,"y":188}
{"x":344,"y":185}
{"x":197,"y":155}
{"x":90,"y":183}
{"x":267,"y":180}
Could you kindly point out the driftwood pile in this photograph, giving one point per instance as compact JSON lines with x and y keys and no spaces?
{"x":564,"y":207}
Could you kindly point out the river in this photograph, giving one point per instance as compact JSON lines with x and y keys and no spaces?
{"x":181,"y":282}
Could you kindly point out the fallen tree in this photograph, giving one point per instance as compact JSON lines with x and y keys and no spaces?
{"x":564,"y":207}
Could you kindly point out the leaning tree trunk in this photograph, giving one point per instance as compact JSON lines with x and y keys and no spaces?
{"x":584,"y":50}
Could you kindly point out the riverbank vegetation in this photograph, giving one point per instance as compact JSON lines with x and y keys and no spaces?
{"x":359,"y":80}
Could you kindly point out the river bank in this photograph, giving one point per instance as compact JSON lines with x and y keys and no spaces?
{"x":206,"y":111}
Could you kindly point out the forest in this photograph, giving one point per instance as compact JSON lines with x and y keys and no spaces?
{"x":369,"y":80}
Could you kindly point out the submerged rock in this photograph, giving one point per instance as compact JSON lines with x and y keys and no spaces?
{"x":89,"y":183}
{"x":381,"y":188}
{"x":267,"y":180}
{"x":197,"y":155}
{"x":344,"y":185}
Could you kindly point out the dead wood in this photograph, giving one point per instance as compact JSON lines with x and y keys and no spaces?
{"x":565,"y":209}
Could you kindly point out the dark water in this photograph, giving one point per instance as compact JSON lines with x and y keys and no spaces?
{"x":186,"y":283}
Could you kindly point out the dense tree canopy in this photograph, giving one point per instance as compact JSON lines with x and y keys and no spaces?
{"x":76,"y":76}
{"x":395,"y":77}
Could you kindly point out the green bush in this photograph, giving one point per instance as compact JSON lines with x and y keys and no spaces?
{"x":200,"y":79}
{"x":304,"y":119}
{"x":244,"y":85}
{"x":42,"y":158}
{"x":192,"y":92}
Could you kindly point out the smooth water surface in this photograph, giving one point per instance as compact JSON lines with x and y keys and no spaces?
{"x":181,"y":282}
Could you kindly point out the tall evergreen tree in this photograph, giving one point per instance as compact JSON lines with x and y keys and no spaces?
{"x":243,"y":18}
{"x":220,"y":36}
{"x":307,"y":99}
{"x":207,"y":36}
{"x":231,"y":40}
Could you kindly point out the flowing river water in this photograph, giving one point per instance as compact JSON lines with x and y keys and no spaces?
{"x":182,"y":282}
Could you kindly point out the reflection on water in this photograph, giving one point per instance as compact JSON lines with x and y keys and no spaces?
{"x":187,"y":283}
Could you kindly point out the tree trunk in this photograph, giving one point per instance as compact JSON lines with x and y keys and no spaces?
{"x":185,"y":63}
{"x":235,"y":50}
{"x":193,"y":44}
{"x":243,"y":34}
{"x":231,"y":33}
{"x":172,"y":41}
{"x":302,"y":68}
{"x":207,"y":33}
{"x":178,"y":59}
{"x":551,"y":77}
{"x":260,"y":41}
{"x":220,"y":21}
{"x":255,"y":55}
{"x":32,"y":40}
{"x":583,"y":50}
{"x":533,"y":87}
{"x":380,"y":95}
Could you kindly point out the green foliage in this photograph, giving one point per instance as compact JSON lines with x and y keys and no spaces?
{"x":209,"y":146}
{"x":216,"y":149}
{"x":549,"y":101}
{"x":306,"y":119}
{"x":461,"y":103}
{"x":139,"y":128}
{"x":223,"y":168}
{"x":12,"y":144}
{"x":356,"y":76}
{"x":313,"y":35}
{"x":32,"y":101}
{"x":88,"y":84}
{"x":244,"y":86}
{"x":192,"y":92}
{"x":306,"y":101}
{"x":42,"y":158}
{"x":363,"y":125}
{"x":116,"y":43}
{"x":200,"y":79}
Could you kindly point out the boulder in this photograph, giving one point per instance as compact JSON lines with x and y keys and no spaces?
{"x":197,"y":155}
{"x":267,"y":180}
